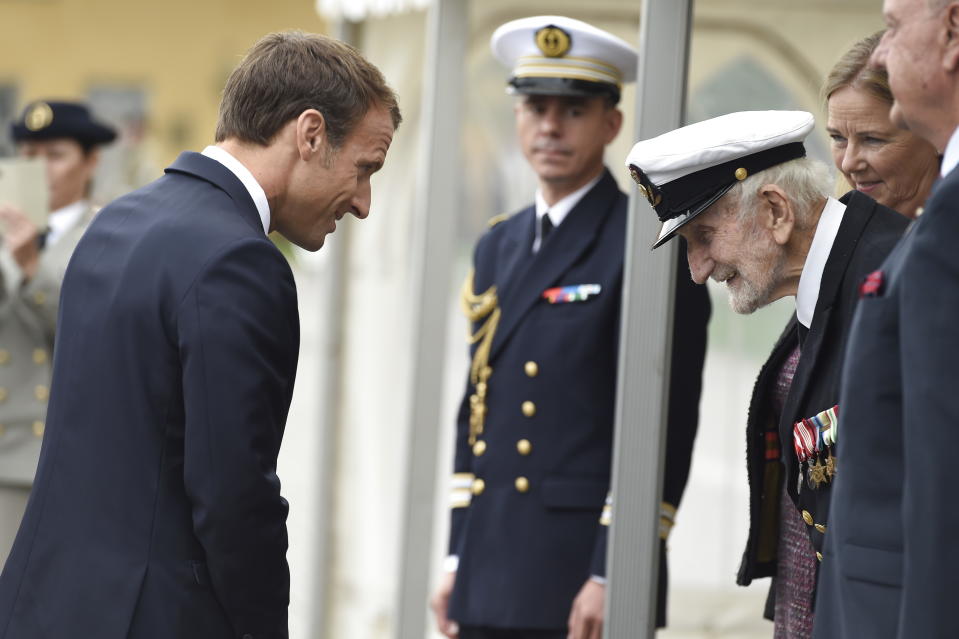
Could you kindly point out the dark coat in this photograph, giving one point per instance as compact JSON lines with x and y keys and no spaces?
{"x":156,"y":510}
{"x":524,"y":555}
{"x":867,"y":234}
{"x":893,"y":567}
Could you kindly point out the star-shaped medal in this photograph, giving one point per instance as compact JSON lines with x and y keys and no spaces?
{"x":817,"y":473}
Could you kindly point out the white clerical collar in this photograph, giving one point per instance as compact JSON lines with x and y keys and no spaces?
{"x":811,"y":278}
{"x":559,"y":211}
{"x":64,"y":219}
{"x":950,"y":157}
{"x":236,"y":167}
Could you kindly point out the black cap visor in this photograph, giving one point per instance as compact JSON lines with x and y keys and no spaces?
{"x":563,"y":86}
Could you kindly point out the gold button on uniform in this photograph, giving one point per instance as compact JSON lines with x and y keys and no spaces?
{"x":806,"y":517}
{"x":531,"y":368}
{"x":4,"y":356}
{"x":39,"y":356}
{"x":41,"y":392}
{"x":479,"y":448}
{"x":3,"y":394}
{"x":522,"y":484}
{"x":529,"y":408}
{"x":39,"y":298}
{"x":819,"y":556}
{"x":478,"y":486}
{"x":524,"y":447}
{"x":821,"y":528}
{"x":38,"y":428}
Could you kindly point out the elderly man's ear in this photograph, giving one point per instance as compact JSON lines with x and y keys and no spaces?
{"x":776,"y":213}
{"x":950,"y":38}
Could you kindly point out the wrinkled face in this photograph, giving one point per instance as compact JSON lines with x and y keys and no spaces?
{"x":69,"y":169}
{"x":910,"y":53}
{"x":738,"y":252}
{"x":893,"y":166}
{"x":334,"y":183}
{"x":563,"y":137}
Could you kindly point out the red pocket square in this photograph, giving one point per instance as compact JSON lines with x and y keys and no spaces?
{"x":872,"y":286}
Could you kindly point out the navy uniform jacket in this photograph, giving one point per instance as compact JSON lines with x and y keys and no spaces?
{"x":866,"y":235}
{"x":529,"y":490}
{"x":892,"y":552}
{"x":156,"y":510}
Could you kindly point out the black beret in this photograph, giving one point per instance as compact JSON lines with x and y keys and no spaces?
{"x":51,"y":120}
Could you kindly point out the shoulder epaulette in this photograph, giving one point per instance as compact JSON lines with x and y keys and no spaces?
{"x":496,"y":219}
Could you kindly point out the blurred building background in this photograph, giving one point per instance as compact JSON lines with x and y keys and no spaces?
{"x":156,"y":70}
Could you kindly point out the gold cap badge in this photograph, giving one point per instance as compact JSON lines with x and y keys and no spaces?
{"x":39,"y":116}
{"x":553,"y":41}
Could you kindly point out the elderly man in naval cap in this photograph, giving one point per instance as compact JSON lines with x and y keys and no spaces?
{"x":756,"y":215}
{"x":535,"y":430}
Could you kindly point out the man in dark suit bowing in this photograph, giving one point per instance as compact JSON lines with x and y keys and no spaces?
{"x":156,"y":510}
{"x":535,"y":429}
{"x":756,"y":215}
{"x":891,"y":567}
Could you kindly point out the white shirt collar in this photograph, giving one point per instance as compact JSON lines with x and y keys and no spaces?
{"x":236,"y":167}
{"x":950,"y":157}
{"x":811,"y":279}
{"x":559,"y":211}
{"x":64,"y":219}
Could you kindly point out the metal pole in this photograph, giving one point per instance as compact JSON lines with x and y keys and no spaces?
{"x":645,"y":342}
{"x":333,"y":290}
{"x":432,"y":254}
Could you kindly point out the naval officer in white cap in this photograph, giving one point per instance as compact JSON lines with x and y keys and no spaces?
{"x":756,"y":214}
{"x":534,"y":433}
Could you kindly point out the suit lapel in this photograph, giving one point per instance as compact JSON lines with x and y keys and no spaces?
{"x":853,"y":223}
{"x":207,"y":169}
{"x":531,"y":275}
{"x":515,"y":251}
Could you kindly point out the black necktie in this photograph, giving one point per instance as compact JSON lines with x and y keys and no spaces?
{"x":545,"y":226}
{"x":802,"y":331}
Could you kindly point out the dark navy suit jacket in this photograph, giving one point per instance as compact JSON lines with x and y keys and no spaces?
{"x":891,"y":566}
{"x":524,"y":555}
{"x":866,"y":235}
{"x":156,"y":511}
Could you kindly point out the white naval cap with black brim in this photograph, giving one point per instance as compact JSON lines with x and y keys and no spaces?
{"x":556,"y":55}
{"x":685,"y":171}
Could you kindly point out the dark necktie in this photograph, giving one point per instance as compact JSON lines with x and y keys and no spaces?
{"x":802,"y":332}
{"x":546,"y":225}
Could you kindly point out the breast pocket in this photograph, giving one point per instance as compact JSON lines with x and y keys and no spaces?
{"x":574,"y":494}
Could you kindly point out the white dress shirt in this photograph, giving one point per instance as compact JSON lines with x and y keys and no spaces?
{"x":950,"y":157}
{"x":64,"y":219}
{"x":558,"y":212}
{"x":236,"y":167}
{"x":811,"y":278}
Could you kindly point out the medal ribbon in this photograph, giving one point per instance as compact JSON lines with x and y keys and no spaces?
{"x":832,"y":416}
{"x":804,"y":439}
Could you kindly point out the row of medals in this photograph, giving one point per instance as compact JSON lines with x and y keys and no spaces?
{"x":821,"y":469}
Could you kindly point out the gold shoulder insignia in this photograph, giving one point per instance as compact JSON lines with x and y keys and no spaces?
{"x":496,"y":219}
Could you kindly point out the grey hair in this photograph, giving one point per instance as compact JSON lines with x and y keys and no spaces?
{"x":806,"y":182}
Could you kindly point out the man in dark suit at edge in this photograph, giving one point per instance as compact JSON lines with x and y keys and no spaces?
{"x":756,"y":215}
{"x":535,"y":429}
{"x":891,"y":568}
{"x":156,"y":510}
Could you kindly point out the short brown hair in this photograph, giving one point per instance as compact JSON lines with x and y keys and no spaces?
{"x":852,"y":70}
{"x":289,"y":72}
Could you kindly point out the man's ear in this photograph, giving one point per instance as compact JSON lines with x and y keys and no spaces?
{"x":310,"y":134}
{"x":950,"y":37}
{"x":614,"y":121}
{"x":777,"y":213}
